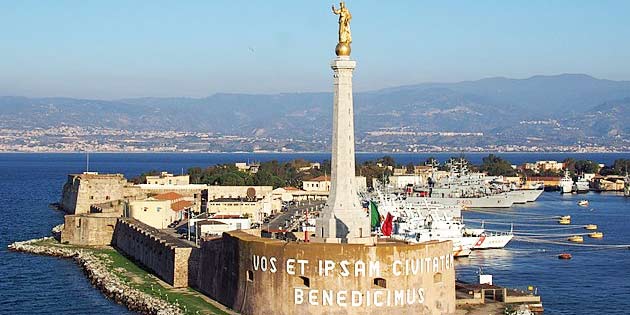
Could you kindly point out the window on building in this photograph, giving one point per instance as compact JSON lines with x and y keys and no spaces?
{"x":380,"y":282}
{"x":437,"y":278}
{"x":91,"y":197}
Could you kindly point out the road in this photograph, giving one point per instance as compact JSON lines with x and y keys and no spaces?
{"x":281,"y":219}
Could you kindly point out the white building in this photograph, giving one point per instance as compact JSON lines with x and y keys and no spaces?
{"x":166,"y":178}
{"x":159,"y":211}
{"x":322,"y":183}
{"x":402,"y":181}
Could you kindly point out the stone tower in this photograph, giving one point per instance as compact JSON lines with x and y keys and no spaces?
{"x":343,"y":219}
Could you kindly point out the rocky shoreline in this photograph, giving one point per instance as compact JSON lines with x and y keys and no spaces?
{"x":101,"y":277}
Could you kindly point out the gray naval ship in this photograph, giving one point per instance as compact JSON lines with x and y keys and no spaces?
{"x":473,"y":190}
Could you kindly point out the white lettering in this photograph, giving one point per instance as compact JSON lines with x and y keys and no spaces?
{"x":357,"y":298}
{"x":263,"y":263}
{"x":359,"y":268}
{"x":411,"y":296}
{"x":256,"y":262}
{"x":341,"y":298}
{"x":399,"y":297}
{"x":415,"y":264}
{"x":272,"y":262}
{"x":302,"y":262}
{"x":312,"y":297}
{"x":291,"y":266}
{"x":395,"y":270}
{"x":421,"y":296}
{"x":344,"y":268}
{"x":376,"y":301}
{"x":329,"y":265}
{"x":436,"y":264}
{"x":327,"y":297}
{"x":375,"y":269}
{"x":298,"y":296}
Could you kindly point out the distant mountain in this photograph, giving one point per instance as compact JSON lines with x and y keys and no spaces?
{"x":555,"y":94}
{"x":496,"y":106}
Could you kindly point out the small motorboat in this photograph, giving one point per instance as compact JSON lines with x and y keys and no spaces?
{"x":583,"y":203}
{"x":576,"y":239}
{"x":590,"y":227}
{"x":596,"y":235}
{"x":564,"y":256}
{"x":564,"y":221}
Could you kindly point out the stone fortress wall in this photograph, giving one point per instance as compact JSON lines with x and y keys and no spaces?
{"x":253,"y":275}
{"x":95,"y":229}
{"x":83,"y":190}
{"x":169,"y":259}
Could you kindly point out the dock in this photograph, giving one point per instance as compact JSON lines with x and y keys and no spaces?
{"x":471,"y":296}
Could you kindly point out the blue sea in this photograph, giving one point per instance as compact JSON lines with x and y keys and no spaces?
{"x":595,"y":281}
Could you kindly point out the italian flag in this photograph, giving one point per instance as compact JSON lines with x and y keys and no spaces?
{"x":374,"y":215}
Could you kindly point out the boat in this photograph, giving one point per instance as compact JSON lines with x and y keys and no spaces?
{"x":489,"y":240}
{"x":596,"y":235}
{"x":565,"y":256}
{"x":576,"y":239}
{"x":626,"y":185}
{"x":583,"y":203}
{"x":581,"y":186}
{"x":564,"y":221}
{"x":566,"y":183}
{"x":590,"y":227}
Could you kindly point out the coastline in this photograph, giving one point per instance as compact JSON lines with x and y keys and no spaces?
{"x":100,"y":277}
{"x":102,"y":267}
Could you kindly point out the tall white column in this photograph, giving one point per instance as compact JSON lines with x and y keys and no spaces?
{"x":343,"y":219}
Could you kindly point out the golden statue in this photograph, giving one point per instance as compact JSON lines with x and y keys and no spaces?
{"x":345,"y":37}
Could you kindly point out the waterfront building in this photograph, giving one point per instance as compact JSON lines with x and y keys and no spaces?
{"x":166,"y":178}
{"x":323,"y":184}
{"x":160,"y":210}
{"x":608,"y":183}
{"x":402,"y":181}
{"x":216,"y":192}
{"x":216,"y":226}
{"x":320,"y":183}
{"x":255,"y":208}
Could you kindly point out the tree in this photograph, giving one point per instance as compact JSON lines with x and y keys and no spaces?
{"x":410,"y":168}
{"x":497,"y":166}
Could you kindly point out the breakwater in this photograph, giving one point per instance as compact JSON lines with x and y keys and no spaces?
{"x":100,"y":276}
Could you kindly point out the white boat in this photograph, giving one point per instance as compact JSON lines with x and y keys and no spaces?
{"x":566,"y":183}
{"x":581,"y":185}
{"x":488,"y":240}
{"x":416,"y":226}
{"x":583,"y":203}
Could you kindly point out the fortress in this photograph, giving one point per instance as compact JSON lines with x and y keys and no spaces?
{"x":344,"y":269}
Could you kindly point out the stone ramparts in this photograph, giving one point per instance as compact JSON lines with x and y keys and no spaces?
{"x":167,"y":257}
{"x":254,"y":275}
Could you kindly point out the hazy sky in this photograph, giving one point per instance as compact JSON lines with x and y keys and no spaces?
{"x":115,"y":49}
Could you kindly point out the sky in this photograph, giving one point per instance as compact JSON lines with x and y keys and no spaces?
{"x":120,"y":49}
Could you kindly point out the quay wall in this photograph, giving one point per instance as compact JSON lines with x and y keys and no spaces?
{"x":168,"y":259}
{"x":254,"y":275}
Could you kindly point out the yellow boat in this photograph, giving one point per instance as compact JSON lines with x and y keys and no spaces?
{"x":565,"y":217}
{"x":590,"y":227}
{"x":576,"y":239}
{"x":564,"y":221}
{"x":596,"y":235}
